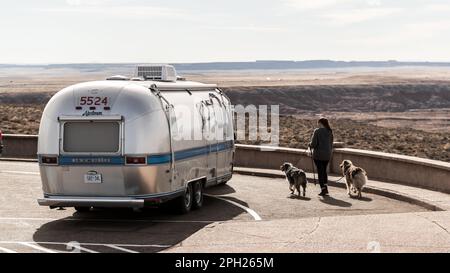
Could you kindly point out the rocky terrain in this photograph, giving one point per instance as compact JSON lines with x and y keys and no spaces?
{"x":345,"y":98}
{"x":296,"y":132}
{"x":20,"y":118}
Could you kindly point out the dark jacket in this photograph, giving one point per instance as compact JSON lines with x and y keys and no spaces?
{"x":322,"y":144}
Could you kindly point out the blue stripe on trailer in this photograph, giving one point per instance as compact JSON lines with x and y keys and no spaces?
{"x":158,"y":159}
{"x":91,"y":160}
{"x":180,"y":155}
{"x":224,"y":146}
{"x":151,"y":159}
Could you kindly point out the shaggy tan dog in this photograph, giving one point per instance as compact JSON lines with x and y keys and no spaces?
{"x":356,"y":177}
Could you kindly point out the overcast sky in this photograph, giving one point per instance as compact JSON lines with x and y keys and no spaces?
{"x":67,"y":31}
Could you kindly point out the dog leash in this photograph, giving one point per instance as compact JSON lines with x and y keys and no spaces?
{"x":339,"y":179}
{"x":312,"y":165}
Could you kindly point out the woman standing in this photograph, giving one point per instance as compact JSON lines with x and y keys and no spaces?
{"x":322,"y":146}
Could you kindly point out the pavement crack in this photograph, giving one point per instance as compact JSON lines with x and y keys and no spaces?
{"x":315,"y":227}
{"x":436,"y":223}
{"x":442,"y":227}
{"x":249,"y":234}
{"x":303,"y":236}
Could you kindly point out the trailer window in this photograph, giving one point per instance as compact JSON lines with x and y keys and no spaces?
{"x":91,"y":137}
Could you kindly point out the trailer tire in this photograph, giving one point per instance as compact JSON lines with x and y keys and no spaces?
{"x":183,"y":204}
{"x":198,"y":195}
{"x":82,"y":209}
{"x":223,"y":183}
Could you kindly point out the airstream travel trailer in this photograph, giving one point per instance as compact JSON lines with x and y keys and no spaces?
{"x":128,"y":142}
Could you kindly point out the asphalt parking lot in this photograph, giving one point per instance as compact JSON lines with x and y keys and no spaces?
{"x":27,"y":227}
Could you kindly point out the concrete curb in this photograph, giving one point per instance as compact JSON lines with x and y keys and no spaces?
{"x":368,"y":189}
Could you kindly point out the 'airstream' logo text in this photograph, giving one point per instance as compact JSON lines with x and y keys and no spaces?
{"x":98,"y":160}
{"x":92,"y":113}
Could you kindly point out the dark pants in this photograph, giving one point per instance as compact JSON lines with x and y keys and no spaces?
{"x":322,"y":173}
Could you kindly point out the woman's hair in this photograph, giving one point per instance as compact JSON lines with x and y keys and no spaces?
{"x":325,"y":123}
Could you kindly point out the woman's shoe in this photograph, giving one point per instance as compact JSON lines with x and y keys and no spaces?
{"x":324,"y":192}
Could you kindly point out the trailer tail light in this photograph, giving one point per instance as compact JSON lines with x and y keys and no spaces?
{"x":49,"y":160}
{"x":136,"y":160}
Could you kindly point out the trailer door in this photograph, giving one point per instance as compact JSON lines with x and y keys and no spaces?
{"x":175,"y":175}
{"x":220,"y":136}
{"x":211,"y":139}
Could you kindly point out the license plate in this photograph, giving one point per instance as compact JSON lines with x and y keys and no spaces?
{"x":93,"y":178}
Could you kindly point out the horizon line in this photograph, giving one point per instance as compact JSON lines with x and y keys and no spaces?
{"x":230,"y":62}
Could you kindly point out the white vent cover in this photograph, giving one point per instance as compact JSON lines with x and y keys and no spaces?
{"x":157,"y":72}
{"x":118,"y":78}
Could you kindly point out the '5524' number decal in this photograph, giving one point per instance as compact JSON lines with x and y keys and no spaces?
{"x":93,"y":101}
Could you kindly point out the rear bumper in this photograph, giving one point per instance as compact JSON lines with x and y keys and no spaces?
{"x":91,"y":202}
{"x":107,"y":202}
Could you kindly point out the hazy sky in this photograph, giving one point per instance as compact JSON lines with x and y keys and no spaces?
{"x":62,"y":31}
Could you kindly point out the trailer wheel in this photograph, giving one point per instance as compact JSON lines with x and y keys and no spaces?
{"x":223,"y":183}
{"x":183,"y":204}
{"x":82,"y":209}
{"x":198,"y":195}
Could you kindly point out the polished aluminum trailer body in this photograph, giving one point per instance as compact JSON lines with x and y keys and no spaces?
{"x":124,"y":143}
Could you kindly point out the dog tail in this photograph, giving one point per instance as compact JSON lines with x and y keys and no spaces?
{"x":360,"y":179}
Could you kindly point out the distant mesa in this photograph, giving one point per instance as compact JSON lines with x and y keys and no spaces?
{"x":256,"y":65}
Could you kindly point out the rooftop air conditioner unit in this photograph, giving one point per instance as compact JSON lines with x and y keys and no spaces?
{"x":157,"y":72}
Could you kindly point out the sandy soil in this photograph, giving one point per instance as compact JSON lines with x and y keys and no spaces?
{"x":52,"y":80}
{"x":433,"y":120}
{"x":360,"y":76}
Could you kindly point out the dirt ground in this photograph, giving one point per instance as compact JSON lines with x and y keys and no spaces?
{"x":296,"y":132}
{"x":20,"y":119}
{"x":367,"y":76}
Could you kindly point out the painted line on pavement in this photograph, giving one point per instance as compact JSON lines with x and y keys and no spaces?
{"x":80,"y":248}
{"x":19,"y":172}
{"x":40,"y":248}
{"x":247,"y":209}
{"x":121,"y":248}
{"x":35,"y":245}
{"x":6,"y":250}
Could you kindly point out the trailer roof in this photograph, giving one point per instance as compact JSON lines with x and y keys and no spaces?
{"x":178,"y":85}
{"x":163,"y":86}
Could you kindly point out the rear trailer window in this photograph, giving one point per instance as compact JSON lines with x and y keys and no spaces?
{"x":91,"y":137}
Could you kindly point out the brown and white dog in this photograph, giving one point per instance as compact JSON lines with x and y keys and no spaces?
{"x":296,"y":178}
{"x":356,"y":177}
